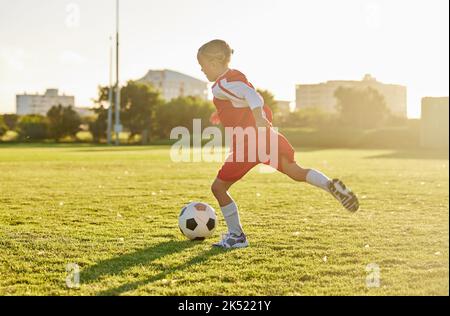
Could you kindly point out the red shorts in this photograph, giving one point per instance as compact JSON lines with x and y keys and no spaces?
{"x":234,"y":169}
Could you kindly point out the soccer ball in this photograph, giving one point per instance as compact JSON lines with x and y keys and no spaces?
{"x":197,"y":221}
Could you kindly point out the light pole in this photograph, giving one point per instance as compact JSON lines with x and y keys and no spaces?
{"x":117,"y":127}
{"x":110,"y":93}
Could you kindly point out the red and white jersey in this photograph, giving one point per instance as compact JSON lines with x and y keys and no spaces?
{"x":235,"y":98}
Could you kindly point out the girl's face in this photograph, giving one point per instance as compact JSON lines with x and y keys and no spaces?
{"x":211,"y":69}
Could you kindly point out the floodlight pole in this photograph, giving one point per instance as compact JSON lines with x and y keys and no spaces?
{"x":110,"y":93}
{"x":118,"y":127}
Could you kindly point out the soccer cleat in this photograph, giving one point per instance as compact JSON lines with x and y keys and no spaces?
{"x":344,"y":195}
{"x":231,"y":240}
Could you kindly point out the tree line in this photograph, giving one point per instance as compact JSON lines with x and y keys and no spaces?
{"x":144,"y":112}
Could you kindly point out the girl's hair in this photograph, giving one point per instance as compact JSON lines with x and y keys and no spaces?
{"x":217,"y":50}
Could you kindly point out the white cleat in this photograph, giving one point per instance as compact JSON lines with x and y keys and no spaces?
{"x":230,"y":240}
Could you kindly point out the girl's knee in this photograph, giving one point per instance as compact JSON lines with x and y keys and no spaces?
{"x":297,"y":173}
{"x":217,"y":188}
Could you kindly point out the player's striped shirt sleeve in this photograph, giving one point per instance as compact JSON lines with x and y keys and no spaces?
{"x":242,"y":91}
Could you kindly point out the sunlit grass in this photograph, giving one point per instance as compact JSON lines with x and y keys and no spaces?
{"x":113,"y":211}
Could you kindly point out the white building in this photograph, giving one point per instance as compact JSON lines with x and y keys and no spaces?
{"x":40,"y":104}
{"x":172,"y":84}
{"x":434,"y":122}
{"x":322,"y":95}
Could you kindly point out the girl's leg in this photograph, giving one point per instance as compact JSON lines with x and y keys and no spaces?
{"x":335,"y":187}
{"x":220,"y":190}
{"x":311,"y":176}
{"x":229,"y":208}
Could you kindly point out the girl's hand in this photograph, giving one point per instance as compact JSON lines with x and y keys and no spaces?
{"x":260,"y":120}
{"x":214,"y":118}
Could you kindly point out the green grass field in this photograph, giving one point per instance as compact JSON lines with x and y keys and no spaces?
{"x":113,"y":211}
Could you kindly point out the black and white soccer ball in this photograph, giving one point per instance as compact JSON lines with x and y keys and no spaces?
{"x":197,"y":221}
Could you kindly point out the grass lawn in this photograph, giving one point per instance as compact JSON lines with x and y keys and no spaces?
{"x":113,"y":212}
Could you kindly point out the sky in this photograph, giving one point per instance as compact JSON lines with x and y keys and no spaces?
{"x":65,"y":44}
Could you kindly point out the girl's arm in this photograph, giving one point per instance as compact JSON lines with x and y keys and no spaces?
{"x":244,"y":90}
{"x":260,"y":120}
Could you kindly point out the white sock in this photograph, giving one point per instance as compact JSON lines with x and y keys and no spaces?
{"x":318,"y":179}
{"x":231,"y":214}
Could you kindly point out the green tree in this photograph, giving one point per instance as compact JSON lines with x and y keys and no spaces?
{"x":11,"y":121}
{"x":98,"y":125}
{"x":138,"y":105}
{"x":364,"y":108}
{"x":308,"y":117}
{"x":269,"y":100}
{"x":71,"y":121}
{"x":181,"y":112}
{"x":63,"y":121}
{"x":54,"y":116}
{"x":3,"y":127}
{"x":33,"y":127}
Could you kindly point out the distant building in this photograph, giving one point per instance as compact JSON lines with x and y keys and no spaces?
{"x":173,"y":84}
{"x":434,"y":123}
{"x":322,"y":95}
{"x":40,"y":104}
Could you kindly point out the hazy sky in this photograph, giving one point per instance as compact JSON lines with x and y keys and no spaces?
{"x":278,"y":43}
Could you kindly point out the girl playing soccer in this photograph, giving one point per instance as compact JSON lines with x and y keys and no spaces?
{"x":240,"y":106}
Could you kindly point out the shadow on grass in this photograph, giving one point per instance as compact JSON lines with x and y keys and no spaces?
{"x":117,"y":265}
{"x":413,"y":154}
